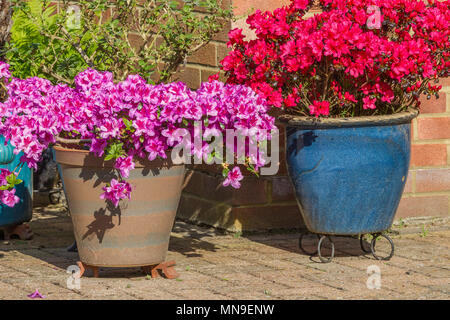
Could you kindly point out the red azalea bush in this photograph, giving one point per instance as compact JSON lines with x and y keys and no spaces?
{"x":357,"y":57}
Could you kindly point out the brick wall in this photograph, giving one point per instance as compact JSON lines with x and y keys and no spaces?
{"x":263,"y":203}
{"x":427,"y":191}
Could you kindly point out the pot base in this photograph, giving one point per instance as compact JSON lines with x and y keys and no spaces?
{"x":166,"y":268}
{"x":22,"y":231}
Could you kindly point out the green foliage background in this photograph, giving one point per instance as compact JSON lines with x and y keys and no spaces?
{"x":31,"y":53}
{"x":44,"y":44}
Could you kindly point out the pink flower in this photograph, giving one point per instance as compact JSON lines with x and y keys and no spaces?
{"x":174,"y":136}
{"x":200,"y":151}
{"x":300,"y":4}
{"x":124,"y":165}
{"x":3,"y":174}
{"x":154,"y":148}
{"x":98,"y":147}
{"x":109,"y":129}
{"x":116,"y":191}
{"x":233,"y":178}
{"x":4,"y":70}
{"x":214,"y":77}
{"x":350,"y":97}
{"x":36,"y":294}
{"x":9,"y":198}
{"x":143,"y":126}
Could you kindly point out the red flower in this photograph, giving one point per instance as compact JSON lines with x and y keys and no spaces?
{"x":320,"y":108}
{"x":214,"y":77}
{"x":235,"y":36}
{"x":371,"y":68}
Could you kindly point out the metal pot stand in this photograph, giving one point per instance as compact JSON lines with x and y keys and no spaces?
{"x":323,"y":238}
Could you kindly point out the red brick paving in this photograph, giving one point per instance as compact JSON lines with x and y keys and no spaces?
{"x":217,"y":266}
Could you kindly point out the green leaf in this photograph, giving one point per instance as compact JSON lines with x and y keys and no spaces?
{"x":251,"y":168}
{"x":114,"y":151}
{"x":128,"y":123}
{"x":109,"y":157}
{"x":12,"y":180}
{"x":225,"y":172}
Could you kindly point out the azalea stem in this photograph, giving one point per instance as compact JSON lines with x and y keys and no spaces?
{"x":20,"y":170}
{"x":20,"y":164}
{"x":325,"y":87}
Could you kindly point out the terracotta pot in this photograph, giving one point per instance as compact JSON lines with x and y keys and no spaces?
{"x":137,"y":232}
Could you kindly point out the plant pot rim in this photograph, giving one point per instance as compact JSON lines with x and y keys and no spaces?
{"x":85,"y":158}
{"x":366,"y":121}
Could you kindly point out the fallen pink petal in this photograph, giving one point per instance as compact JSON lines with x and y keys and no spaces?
{"x":36,"y":295}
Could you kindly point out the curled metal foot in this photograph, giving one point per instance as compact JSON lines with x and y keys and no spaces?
{"x":361,"y":243}
{"x":300,"y":243}
{"x":319,"y":249}
{"x":373,"y":243}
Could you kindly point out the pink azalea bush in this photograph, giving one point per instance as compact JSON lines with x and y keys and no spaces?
{"x":124,"y":121}
{"x":357,"y":57}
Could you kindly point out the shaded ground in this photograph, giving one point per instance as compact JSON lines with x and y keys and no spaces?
{"x":218,"y":266}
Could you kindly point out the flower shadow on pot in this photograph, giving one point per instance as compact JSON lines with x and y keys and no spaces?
{"x":102,"y":222}
{"x":102,"y":176}
{"x":304,"y":140}
{"x":103,"y":216}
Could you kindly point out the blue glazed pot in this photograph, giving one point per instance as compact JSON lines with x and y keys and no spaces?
{"x":348,"y":174}
{"x":22,"y":211}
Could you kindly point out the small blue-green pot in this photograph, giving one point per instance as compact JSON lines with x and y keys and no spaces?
{"x":22,"y":211}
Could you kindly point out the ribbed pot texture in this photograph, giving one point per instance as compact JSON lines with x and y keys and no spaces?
{"x":136,"y":233}
{"x":348,"y":174}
